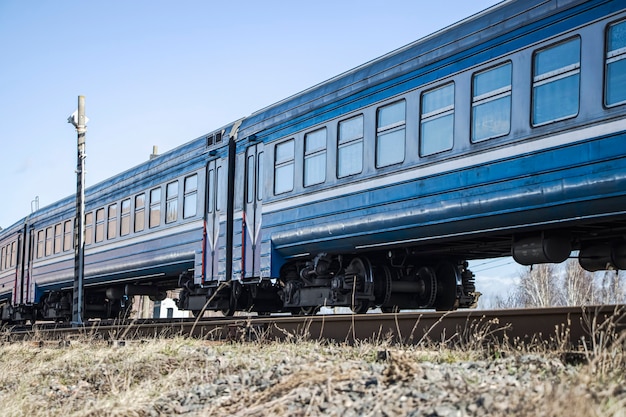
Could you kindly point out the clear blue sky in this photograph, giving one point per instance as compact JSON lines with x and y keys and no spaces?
{"x":162,"y":73}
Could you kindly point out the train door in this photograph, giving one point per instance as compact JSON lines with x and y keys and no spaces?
{"x":21,"y":249}
{"x":251,"y":224}
{"x":214,"y":265}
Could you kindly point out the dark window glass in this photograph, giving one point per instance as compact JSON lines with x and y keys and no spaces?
{"x":140,"y":212}
{"x":58,"y":238}
{"x":154,"y":219}
{"x":260,"y":177}
{"x":41,"y":241}
{"x":390,"y":134}
{"x":190,"y":196}
{"x":112,"y":221}
{"x":556,"y":79}
{"x":315,"y":157}
{"x":350,"y":147}
{"x":284,"y":166}
{"x":491,"y":103}
{"x":68,"y":235}
{"x":88,"y":228}
{"x":125,"y":218}
{"x":100,"y":225}
{"x":437,"y":120}
{"x":171,"y":204}
{"x":615,"y":79}
{"x":49,"y":241}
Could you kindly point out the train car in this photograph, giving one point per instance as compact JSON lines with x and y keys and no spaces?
{"x":503,"y":134}
{"x":500,"y":135}
{"x":143,"y":229}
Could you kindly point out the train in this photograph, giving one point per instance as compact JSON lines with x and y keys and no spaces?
{"x":501,"y":135}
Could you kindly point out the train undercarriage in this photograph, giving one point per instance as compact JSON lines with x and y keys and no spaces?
{"x":396,"y":282}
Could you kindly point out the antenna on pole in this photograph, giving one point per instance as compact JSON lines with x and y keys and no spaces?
{"x":79,"y":121}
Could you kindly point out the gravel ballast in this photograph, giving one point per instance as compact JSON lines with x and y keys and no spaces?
{"x":198,"y":378}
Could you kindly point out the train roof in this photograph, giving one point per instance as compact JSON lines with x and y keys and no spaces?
{"x":124,"y":181}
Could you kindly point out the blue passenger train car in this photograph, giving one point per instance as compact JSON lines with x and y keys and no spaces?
{"x":504,"y":134}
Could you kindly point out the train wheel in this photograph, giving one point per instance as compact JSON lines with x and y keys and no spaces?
{"x":447,"y":277}
{"x":235,"y":292}
{"x":305,"y":311}
{"x":360,"y":307}
{"x":362,"y":272}
{"x":427,"y":287}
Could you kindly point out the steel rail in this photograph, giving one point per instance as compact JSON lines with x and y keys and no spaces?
{"x":564,"y":327}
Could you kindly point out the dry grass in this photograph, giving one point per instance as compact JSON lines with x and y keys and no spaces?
{"x":178,"y":376}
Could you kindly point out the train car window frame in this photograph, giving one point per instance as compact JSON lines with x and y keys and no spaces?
{"x":219,"y":189}
{"x":211,"y":191}
{"x":350,"y":147}
{"x":58,"y":238}
{"x":14,"y":254}
{"x":112,"y":221}
{"x":89,"y":228}
{"x":550,"y":101}
{"x":284,"y":166}
{"x":391,"y":134}
{"x":315,"y":145}
{"x":260,"y":182}
{"x":41,"y":243}
{"x":100,"y":221}
{"x":139,"y":217}
{"x":491,"y":102}
{"x":190,"y":196}
{"x":171,"y":202}
{"x":125,"y":217}
{"x":154,"y":215}
{"x":68,"y":235}
{"x":250,"y":183}
{"x":49,"y":241}
{"x":615,"y":65}
{"x":437,"y":114}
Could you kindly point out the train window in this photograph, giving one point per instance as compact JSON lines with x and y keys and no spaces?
{"x":556,"y":79}
{"x":350,"y":147}
{"x":41,"y":241}
{"x":491,"y":103}
{"x":437,"y":120}
{"x":284,"y":166}
{"x":211,"y":192}
{"x":100,"y":225}
{"x":112,"y":221}
{"x":250,"y":183}
{"x":220,"y":189}
{"x":67,"y":235}
{"x":615,"y":79}
{"x":125,"y":218}
{"x":13,"y":254}
{"x":154,"y":218}
{"x":49,"y":241}
{"x":171,"y":202}
{"x":88,"y":228}
{"x":315,"y":157}
{"x":58,"y":238}
{"x":259,"y":192}
{"x":390,"y":134}
{"x":140,"y":212}
{"x":190,"y":197}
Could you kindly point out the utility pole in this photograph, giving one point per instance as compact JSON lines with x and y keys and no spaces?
{"x":79,"y":121}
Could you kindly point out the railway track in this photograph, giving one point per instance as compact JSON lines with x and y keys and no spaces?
{"x":565,"y":327}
